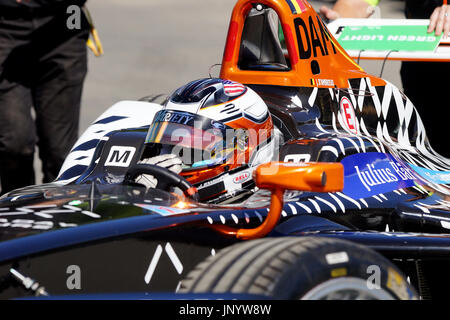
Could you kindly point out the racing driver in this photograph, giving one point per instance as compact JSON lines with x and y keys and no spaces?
{"x":214,"y":133}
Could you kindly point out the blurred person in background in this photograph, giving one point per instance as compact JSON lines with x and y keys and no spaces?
{"x":423,"y":82}
{"x":43,"y":63}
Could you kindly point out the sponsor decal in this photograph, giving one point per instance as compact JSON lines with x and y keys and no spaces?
{"x":297,"y":158}
{"x":323,"y":82}
{"x":155,"y":261}
{"x":313,"y":38}
{"x":211,"y":182}
{"x":241,"y":177}
{"x":372,"y":173}
{"x":174,"y":116}
{"x":337,"y":257}
{"x":348,"y":115}
{"x":439,"y":177}
{"x":120,"y":156}
{"x":339,"y":272}
{"x":398,"y":285}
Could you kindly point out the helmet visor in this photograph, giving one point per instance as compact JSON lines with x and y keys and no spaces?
{"x":199,"y":141}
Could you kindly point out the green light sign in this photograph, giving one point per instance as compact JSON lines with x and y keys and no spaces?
{"x":386,"y":38}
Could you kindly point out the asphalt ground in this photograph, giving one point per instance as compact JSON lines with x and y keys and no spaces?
{"x":155,"y":46}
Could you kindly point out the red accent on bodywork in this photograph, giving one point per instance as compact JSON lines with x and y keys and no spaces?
{"x":231,"y":41}
{"x":301,"y":4}
{"x":290,"y":43}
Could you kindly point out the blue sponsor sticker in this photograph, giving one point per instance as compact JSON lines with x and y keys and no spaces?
{"x":368,"y":174}
{"x":439,"y":177}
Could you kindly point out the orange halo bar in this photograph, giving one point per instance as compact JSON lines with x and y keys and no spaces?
{"x":281,"y":176}
{"x":302,"y":28}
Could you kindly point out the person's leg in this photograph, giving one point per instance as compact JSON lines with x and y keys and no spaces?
{"x":17,"y":138}
{"x":17,"y":130}
{"x":425,"y":84}
{"x":58,"y":90}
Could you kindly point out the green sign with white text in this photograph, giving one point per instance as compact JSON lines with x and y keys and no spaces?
{"x":386,"y":38}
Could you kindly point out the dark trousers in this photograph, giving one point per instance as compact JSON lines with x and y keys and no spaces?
{"x":426,"y":85}
{"x":42,"y":66}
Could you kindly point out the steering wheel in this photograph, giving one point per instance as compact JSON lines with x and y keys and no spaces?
{"x":166,"y":179}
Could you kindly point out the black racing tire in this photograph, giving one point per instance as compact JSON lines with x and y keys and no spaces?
{"x":299,"y":268}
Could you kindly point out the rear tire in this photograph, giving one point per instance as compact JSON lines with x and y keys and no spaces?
{"x":299,"y":268}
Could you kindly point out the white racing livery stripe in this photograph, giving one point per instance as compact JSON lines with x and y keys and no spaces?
{"x":332,"y":149}
{"x":259,"y":216}
{"x":353,"y":143}
{"x":174,"y":258}
{"x":153,"y":264}
{"x":72,"y":207}
{"x":55,"y":211}
{"x":91,"y":214}
{"x":377,"y":198}
{"x":364,"y":202}
{"x":362,"y":144}
{"x":356,"y":203}
{"x":319,"y":126}
{"x":382,"y":196}
{"x":340,"y":144}
{"x":338,"y":201}
{"x":312,"y":97}
{"x":327,"y":203}
{"x":305,"y":207}
{"x":422,"y":208}
{"x":293,"y":209}
{"x":67,"y":225}
{"x":43,"y":215}
{"x":316,"y":205}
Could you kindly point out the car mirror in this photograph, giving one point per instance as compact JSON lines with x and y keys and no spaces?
{"x":313,"y":177}
{"x":281,"y":176}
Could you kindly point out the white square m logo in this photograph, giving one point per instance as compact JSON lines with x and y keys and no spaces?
{"x":120,"y":156}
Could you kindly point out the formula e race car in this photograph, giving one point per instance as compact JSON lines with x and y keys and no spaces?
{"x":343,"y":198}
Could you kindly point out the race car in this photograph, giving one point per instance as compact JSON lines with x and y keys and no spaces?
{"x":295,"y":175}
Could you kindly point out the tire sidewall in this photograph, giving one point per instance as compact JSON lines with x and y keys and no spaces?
{"x":315,"y":267}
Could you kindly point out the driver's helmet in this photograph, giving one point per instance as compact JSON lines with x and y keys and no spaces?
{"x":220,"y":129}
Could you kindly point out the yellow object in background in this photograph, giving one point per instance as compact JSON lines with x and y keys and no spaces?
{"x":373,"y":3}
{"x":93,"y":42}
